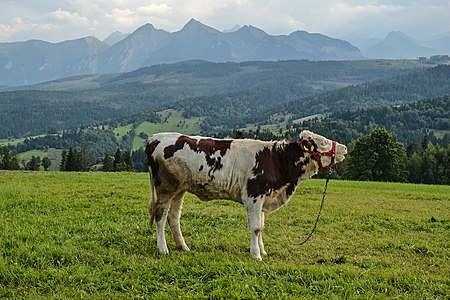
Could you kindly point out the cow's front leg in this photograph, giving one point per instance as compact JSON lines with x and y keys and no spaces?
{"x":260,"y":240}
{"x":254,"y":210}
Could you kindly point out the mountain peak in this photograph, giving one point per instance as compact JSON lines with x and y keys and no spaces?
{"x":399,"y":45}
{"x":398,"y":35}
{"x":233,"y":29}
{"x":146,"y":27}
{"x":249,"y":29}
{"x":194,"y":26}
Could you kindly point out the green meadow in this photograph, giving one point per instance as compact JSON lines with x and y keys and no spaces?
{"x":87,"y":236}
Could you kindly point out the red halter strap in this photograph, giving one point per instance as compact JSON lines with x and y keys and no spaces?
{"x":318,"y":155}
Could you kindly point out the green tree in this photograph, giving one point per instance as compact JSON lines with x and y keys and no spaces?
{"x":117,"y":160}
{"x":73,"y":161}
{"x":6,"y":158}
{"x":15,"y":163}
{"x":85,"y":155}
{"x":34,"y":163}
{"x":128,"y":161}
{"x":378,"y":157}
{"x":46,"y":163}
{"x":415,"y":168}
{"x":108,"y":163}
{"x":62,"y":165}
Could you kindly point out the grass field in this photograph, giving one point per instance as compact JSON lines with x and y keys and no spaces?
{"x":87,"y":235}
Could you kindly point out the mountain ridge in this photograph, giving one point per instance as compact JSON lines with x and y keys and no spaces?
{"x":148,"y":45}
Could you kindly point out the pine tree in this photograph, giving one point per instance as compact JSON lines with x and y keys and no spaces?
{"x":85,"y":155}
{"x":62,"y":165}
{"x":108,"y":163}
{"x":128,"y":161}
{"x":34,"y":163}
{"x":117,"y":160}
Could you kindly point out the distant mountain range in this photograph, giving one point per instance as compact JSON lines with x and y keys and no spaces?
{"x":398,"y":45}
{"x":34,"y":61}
{"x":37,"y":61}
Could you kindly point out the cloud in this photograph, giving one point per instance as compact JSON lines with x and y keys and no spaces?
{"x":346,"y":8}
{"x":18,"y":25}
{"x":71,"y":18}
{"x":64,"y":19}
{"x":154,"y":9}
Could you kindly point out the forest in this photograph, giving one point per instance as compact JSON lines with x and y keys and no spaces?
{"x":266,"y":86}
{"x":348,"y":101}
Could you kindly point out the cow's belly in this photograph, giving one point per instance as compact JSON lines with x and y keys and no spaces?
{"x":209,"y":191}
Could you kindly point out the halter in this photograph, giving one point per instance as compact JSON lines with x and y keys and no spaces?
{"x":318,"y":155}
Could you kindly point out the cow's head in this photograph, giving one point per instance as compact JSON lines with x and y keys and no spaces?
{"x":326,"y":152}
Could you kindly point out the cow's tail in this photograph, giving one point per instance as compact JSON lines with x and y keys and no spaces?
{"x":153,"y":173}
{"x":152,"y":203}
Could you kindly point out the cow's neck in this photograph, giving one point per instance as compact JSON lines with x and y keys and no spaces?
{"x":294,"y":165}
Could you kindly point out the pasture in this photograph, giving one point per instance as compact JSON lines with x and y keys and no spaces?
{"x":87,"y":235}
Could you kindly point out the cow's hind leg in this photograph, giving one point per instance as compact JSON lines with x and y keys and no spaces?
{"x":161,"y":212}
{"x":254,"y":214}
{"x":174,"y":220}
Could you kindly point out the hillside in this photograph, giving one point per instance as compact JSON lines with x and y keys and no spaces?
{"x":262,"y":104}
{"x":258,"y":86}
{"x":409,"y":87}
{"x":410,"y":123}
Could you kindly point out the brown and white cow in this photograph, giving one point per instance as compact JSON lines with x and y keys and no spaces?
{"x":260,"y":175}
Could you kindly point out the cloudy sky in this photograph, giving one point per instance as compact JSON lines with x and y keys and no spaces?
{"x":60,"y":20}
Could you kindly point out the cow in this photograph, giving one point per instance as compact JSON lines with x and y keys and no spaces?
{"x":262,"y":175}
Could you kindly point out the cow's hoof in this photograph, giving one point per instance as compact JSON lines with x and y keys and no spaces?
{"x":164,"y":251}
{"x":263,"y":253}
{"x":184,"y":248}
{"x":257,"y":257}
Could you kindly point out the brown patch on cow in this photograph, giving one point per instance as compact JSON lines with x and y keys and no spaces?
{"x":257,"y":231}
{"x":154,"y":166}
{"x":207,"y":146}
{"x":278,"y":166}
{"x":159,"y":212}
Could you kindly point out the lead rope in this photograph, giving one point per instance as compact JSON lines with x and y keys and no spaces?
{"x":320,"y":209}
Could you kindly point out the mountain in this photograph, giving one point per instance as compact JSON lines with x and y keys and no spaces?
{"x":149,"y":46}
{"x":128,"y":54}
{"x":441,"y":44}
{"x":115,"y":37}
{"x":399,"y":45}
{"x":37,"y":61}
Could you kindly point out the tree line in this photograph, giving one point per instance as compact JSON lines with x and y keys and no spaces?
{"x":377,"y":156}
{"x":9,"y":160}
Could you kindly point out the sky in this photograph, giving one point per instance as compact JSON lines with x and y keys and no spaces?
{"x":60,"y":20}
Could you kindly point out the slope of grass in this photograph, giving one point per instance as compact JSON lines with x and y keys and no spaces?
{"x":75,"y":235}
{"x":53,"y":154}
{"x":172,"y":121}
